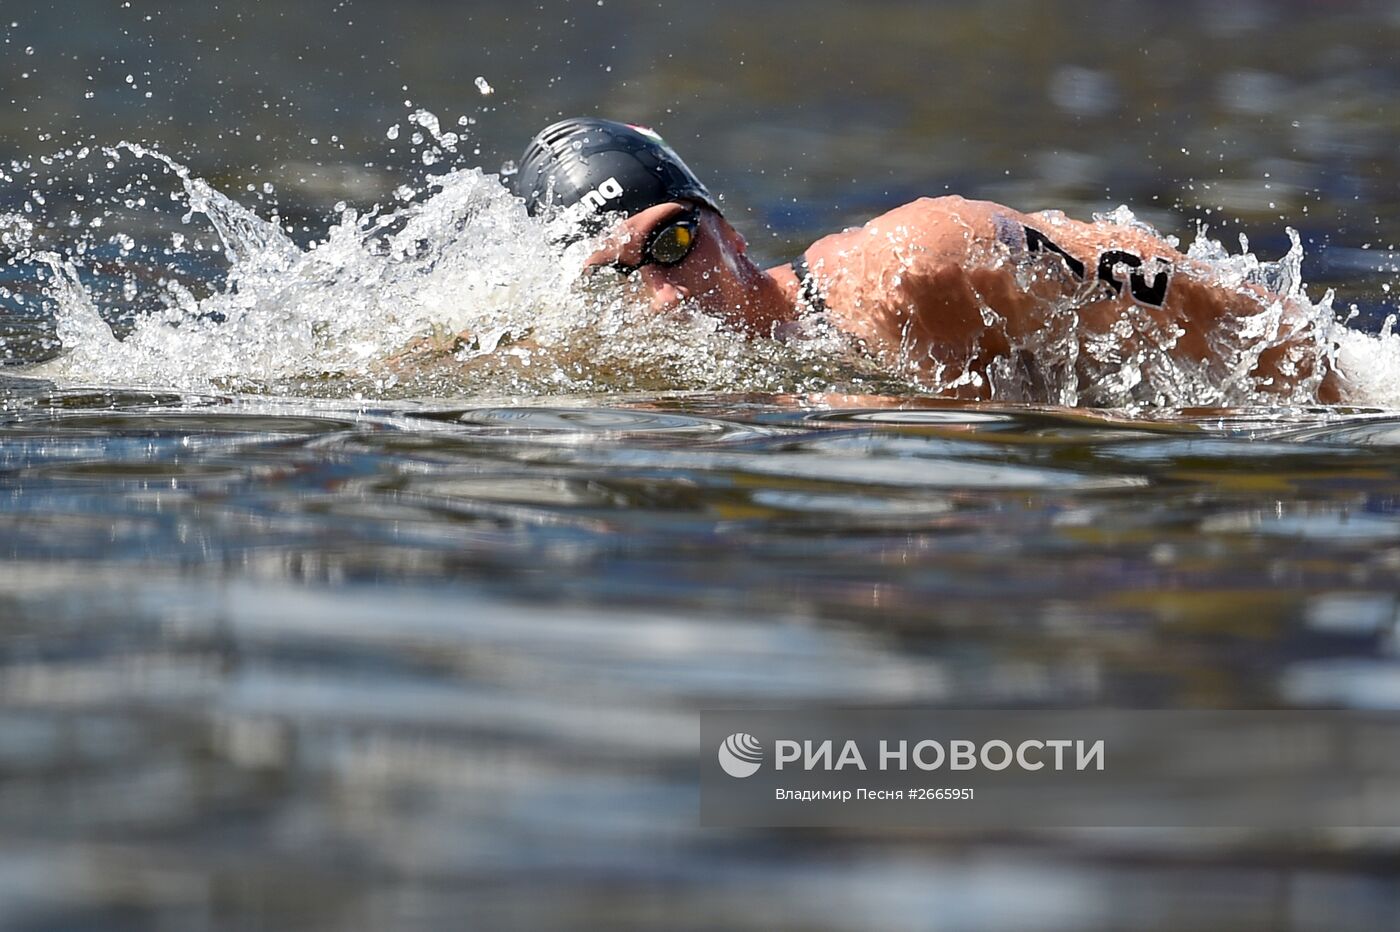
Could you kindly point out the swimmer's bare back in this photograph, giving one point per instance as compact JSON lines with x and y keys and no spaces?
{"x":951,"y":286}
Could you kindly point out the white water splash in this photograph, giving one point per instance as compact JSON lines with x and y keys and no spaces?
{"x":455,"y":260}
{"x":1369,"y":364}
{"x":1372,"y":365}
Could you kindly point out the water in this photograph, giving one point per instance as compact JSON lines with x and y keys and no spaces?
{"x":315,"y":616}
{"x":414,"y":658}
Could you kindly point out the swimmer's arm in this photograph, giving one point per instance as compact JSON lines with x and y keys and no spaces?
{"x":949,"y":255}
{"x":435,"y":345}
{"x":1136,"y":267}
{"x":900,"y":286}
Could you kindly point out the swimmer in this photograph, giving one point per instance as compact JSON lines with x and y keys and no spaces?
{"x":952,"y":289}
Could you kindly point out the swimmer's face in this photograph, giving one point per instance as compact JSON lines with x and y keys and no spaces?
{"x":709,"y":276}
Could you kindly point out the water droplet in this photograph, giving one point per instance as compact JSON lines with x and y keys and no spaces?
{"x":484,"y":87}
{"x":393,"y":132}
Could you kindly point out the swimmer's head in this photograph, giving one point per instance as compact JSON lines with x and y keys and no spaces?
{"x":671,"y":232}
{"x":611,"y":167}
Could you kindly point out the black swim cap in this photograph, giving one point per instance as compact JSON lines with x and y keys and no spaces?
{"x":611,"y":166}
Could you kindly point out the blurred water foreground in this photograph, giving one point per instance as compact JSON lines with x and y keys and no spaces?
{"x":284,"y":642}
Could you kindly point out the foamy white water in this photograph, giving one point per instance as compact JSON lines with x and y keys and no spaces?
{"x":463,"y":257}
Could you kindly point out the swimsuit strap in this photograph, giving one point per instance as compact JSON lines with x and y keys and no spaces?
{"x":807,"y":288}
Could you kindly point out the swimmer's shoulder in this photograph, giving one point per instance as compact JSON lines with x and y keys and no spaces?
{"x":944,"y":224}
{"x":927,"y":233}
{"x":946,"y":208}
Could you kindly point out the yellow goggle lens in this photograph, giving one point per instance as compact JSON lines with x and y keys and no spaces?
{"x":673,"y":243}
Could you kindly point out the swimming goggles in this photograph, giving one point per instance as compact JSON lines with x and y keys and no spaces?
{"x":669,"y":243}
